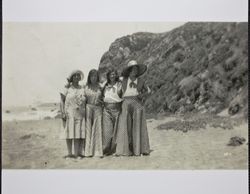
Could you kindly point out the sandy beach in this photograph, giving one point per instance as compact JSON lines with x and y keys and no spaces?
{"x":36,"y":145}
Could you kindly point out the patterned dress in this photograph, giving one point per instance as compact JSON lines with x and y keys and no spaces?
{"x":74,"y":127}
{"x":93,"y":142}
{"x":111,"y":112}
{"x":132,"y":134}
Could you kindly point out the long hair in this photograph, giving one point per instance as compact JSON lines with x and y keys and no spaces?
{"x":91,"y":73}
{"x":108,"y":75}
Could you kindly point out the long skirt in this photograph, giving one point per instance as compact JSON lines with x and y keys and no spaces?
{"x":132,"y":134}
{"x":93,"y":142}
{"x":111,"y":114}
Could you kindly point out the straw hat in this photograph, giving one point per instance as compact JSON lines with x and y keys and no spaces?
{"x":141,"y":68}
{"x":75,"y":72}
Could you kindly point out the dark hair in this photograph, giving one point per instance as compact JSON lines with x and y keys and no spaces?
{"x":70,"y":80}
{"x":91,"y":72}
{"x":127,"y":72}
{"x":108,"y":75}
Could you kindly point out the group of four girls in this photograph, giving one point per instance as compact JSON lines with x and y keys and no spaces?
{"x":105,"y":120}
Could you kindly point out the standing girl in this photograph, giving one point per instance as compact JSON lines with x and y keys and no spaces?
{"x":93,"y":94}
{"x":112,"y":93}
{"x":73,"y":115}
{"x":132,"y":134}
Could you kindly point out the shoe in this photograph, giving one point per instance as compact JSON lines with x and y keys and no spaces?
{"x":79,"y":157}
{"x":107,"y":154}
{"x":69,"y":156}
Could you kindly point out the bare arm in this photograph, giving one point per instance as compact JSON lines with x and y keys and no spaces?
{"x":62,"y":106}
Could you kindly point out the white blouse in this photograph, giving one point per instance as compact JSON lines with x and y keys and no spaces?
{"x":130,"y":91}
{"x":111,"y":93}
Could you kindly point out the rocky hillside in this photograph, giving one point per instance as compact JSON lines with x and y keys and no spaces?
{"x":196,"y":67}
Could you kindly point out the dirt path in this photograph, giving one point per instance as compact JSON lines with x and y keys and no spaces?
{"x":35,"y":145}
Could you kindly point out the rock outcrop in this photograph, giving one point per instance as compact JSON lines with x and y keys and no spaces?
{"x":196,"y":67}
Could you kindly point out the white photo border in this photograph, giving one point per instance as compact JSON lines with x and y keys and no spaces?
{"x":107,"y":181}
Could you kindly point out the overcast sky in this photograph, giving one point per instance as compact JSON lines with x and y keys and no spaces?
{"x":37,"y":57}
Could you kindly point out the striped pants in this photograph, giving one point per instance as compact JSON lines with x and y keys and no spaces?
{"x":111,"y":113}
{"x":93,"y":137}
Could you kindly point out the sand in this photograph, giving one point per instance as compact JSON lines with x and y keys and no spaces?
{"x":36,"y":145}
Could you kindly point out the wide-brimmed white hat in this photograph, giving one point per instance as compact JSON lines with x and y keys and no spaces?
{"x":75,"y":72}
{"x":141,"y":68}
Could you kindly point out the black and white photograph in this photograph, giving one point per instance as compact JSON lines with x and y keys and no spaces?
{"x":125,"y":95}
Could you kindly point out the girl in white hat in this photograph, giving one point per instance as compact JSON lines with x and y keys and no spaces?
{"x":73,"y":115}
{"x":132,"y":134}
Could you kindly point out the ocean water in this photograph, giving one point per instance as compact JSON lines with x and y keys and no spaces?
{"x":30,"y":113}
